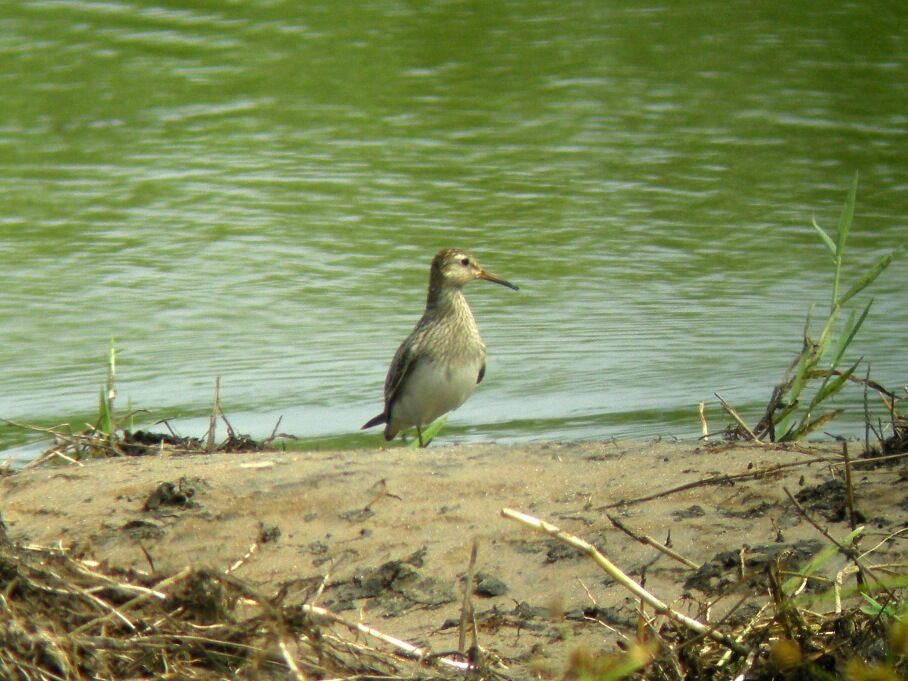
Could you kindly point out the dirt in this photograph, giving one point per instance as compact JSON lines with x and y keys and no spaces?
{"x":384,"y":536}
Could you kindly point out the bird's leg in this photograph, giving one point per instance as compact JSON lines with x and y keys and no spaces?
{"x":419,"y":435}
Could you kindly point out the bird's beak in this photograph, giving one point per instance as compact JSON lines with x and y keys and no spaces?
{"x":488,"y":276}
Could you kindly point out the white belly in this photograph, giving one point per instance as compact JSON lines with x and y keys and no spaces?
{"x":432,"y":389}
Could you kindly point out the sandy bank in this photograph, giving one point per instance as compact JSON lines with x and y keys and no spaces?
{"x":389,"y":532}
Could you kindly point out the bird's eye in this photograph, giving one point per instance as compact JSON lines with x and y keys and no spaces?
{"x":464,"y":261}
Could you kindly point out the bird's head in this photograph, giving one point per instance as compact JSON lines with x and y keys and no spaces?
{"x":457,"y":268}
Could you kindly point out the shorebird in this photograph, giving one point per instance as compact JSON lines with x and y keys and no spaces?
{"x":443,"y":359}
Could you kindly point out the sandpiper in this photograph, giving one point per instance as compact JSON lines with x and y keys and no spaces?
{"x":443,"y":359}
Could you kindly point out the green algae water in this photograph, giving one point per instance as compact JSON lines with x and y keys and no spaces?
{"x":255,"y":190}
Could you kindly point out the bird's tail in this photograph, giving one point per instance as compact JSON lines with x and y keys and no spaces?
{"x":381,"y":418}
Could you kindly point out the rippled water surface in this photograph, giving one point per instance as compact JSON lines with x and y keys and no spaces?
{"x":255,"y":190}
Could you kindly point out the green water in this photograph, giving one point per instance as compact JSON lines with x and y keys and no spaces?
{"x":254,"y":191}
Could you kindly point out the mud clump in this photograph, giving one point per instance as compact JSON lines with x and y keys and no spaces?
{"x":829,"y":500}
{"x":143,"y":442}
{"x":172,"y":495}
{"x":724,"y":569}
{"x":395,"y":587}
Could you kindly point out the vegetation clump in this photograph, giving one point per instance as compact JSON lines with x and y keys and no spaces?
{"x":793,"y":411}
{"x":107,"y":438}
{"x":68,"y":617}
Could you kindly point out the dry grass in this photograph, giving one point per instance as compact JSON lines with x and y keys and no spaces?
{"x":784,"y":637}
{"x":68,"y":617}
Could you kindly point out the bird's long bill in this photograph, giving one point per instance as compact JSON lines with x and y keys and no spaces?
{"x":488,"y":276}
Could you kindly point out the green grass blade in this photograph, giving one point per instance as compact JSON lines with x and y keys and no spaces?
{"x":868,"y":278}
{"x":820,"y":349}
{"x":830,"y":388}
{"x":883,"y":585}
{"x":105,"y":422}
{"x":806,"y":427}
{"x":792,"y":583}
{"x":797,"y":383}
{"x":430,"y":431}
{"x":630,"y":664}
{"x":844,"y":339}
{"x":873,"y":607}
{"x":848,"y":333}
{"x":830,"y":244}
{"x":846,"y":218}
{"x":782,"y":427}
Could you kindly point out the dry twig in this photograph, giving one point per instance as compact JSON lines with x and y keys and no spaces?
{"x":615,"y":573}
{"x":649,"y":541}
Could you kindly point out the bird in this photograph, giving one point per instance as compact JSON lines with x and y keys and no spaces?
{"x":443,"y":359}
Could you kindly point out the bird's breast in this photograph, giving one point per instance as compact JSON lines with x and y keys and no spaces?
{"x":432,"y":389}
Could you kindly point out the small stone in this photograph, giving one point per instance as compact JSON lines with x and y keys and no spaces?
{"x":489,"y":586}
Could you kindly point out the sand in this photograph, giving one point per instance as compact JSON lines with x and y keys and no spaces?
{"x":384,"y":536}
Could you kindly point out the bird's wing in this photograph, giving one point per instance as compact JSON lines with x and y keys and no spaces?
{"x":401,"y":366}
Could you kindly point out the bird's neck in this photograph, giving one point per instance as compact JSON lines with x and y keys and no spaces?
{"x":446,"y":300}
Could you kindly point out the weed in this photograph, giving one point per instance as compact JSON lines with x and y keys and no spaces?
{"x":792,"y":414}
{"x":429,"y":433}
